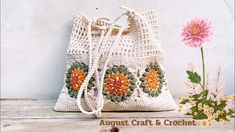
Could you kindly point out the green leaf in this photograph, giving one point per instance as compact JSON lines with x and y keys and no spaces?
{"x":196,"y":96}
{"x":194,"y":109}
{"x":205,"y":93}
{"x":194,"y":77}
{"x":231,"y":111}
{"x":188,"y":113}
{"x":200,"y":115}
{"x":184,"y":101}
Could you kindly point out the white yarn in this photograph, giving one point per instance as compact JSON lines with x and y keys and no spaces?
{"x":134,"y":50}
{"x":100,"y":88}
{"x":94,"y":68}
{"x":90,"y":60}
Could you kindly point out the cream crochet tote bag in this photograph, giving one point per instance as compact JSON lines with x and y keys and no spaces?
{"x":115,"y":68}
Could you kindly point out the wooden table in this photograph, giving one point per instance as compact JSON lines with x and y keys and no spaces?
{"x":38,"y":115}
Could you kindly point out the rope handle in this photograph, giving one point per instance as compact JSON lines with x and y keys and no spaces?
{"x":91,"y":71}
{"x":86,"y":81}
{"x":93,"y":68}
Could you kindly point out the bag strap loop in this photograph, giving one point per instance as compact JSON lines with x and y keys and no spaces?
{"x":93,"y":68}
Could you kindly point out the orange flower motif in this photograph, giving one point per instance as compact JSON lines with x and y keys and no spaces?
{"x":152,"y":80}
{"x":119,"y":83}
{"x":76,"y":74}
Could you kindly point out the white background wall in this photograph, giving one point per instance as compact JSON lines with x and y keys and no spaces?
{"x":35,"y":35}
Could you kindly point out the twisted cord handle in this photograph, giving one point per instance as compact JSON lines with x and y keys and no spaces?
{"x":93,"y":68}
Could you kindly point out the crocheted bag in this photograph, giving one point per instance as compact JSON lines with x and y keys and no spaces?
{"x":114,"y":68}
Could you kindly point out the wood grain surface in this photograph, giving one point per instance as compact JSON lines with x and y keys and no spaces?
{"x":28,"y":115}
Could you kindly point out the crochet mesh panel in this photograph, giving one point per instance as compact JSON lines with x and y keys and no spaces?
{"x":135,"y":51}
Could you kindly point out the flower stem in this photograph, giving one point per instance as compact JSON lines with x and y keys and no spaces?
{"x":203,"y":70}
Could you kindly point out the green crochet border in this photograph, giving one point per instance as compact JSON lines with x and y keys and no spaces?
{"x":161,"y":80}
{"x":82,"y":66}
{"x":132,"y":85}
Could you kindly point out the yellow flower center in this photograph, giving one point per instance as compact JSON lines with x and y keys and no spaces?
{"x":196,"y":29}
{"x":152,"y":80}
{"x":203,"y":123}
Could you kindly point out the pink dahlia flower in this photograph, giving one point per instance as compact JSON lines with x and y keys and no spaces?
{"x":196,"y":32}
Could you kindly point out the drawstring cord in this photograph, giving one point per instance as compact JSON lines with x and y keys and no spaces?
{"x":93,"y":65}
{"x":90,"y":58}
{"x":100,"y":88}
{"x":90,"y":61}
{"x":93,"y":68}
